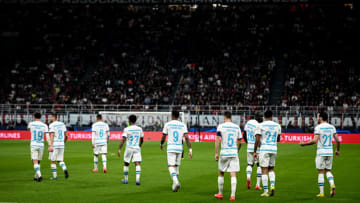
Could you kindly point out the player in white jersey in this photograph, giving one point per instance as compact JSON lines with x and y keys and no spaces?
{"x":324,"y":132}
{"x":249,"y":138}
{"x":267,"y":135}
{"x":58,"y":137}
{"x":134,"y":137}
{"x":230,"y":135}
{"x":38,"y":130}
{"x":99,"y":138}
{"x":175,"y":131}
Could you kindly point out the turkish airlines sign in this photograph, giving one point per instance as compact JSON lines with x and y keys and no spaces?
{"x":194,"y":137}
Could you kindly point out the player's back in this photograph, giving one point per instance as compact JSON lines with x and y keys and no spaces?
{"x":59,"y":129}
{"x":269,"y":132}
{"x":175,"y":131}
{"x":324,"y":145}
{"x":250,"y":128}
{"x":101,"y":130}
{"x":133,"y":134}
{"x":38,"y":130}
{"x":230,"y":133}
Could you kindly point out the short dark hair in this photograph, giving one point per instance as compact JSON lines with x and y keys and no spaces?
{"x":175,"y":114}
{"x":323,"y":115}
{"x":258,"y":116}
{"x":227,"y":114}
{"x":132,"y":118}
{"x":268,"y":114}
{"x":53,"y":114}
{"x":37,"y":115}
{"x":99,"y":116}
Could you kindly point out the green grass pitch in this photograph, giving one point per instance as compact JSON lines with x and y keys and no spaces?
{"x":296,"y":176}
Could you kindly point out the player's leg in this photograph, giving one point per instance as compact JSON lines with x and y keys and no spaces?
{"x":272,"y":173}
{"x":177,"y":168}
{"x":258,"y":176}
{"x":329,"y":175}
{"x":103,"y":157}
{"x":250,"y":160}
{"x":53,"y":170}
{"x":264,"y":163}
{"x":96,"y":159}
{"x":223,"y":165}
{"x":172,"y":169}
{"x":60,"y":159}
{"x":138,"y":172}
{"x":320,"y":167}
{"x":35,"y":156}
{"x":233,"y":169}
{"x":127,"y":159}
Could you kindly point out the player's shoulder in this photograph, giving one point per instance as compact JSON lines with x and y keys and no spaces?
{"x":252,"y":122}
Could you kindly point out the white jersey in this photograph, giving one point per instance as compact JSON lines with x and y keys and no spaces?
{"x":326,"y":132}
{"x":269,"y":132}
{"x":38,"y":130}
{"x":133,"y":134}
{"x":229,"y":133}
{"x":175,"y":131}
{"x":100,"y":133}
{"x":250,"y":129}
{"x":59,"y":129}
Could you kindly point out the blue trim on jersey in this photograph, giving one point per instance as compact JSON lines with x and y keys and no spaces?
{"x":228,"y":148}
{"x":37,"y":125}
{"x":325,"y":147}
{"x":252,"y":125}
{"x":266,"y":187}
{"x":268,"y":150}
{"x":328,"y":128}
{"x":268,"y":144}
{"x":270,"y":125}
{"x":331,"y":178}
{"x":321,"y":184}
{"x":40,"y":146}
{"x":138,"y":172}
{"x":178,"y":150}
{"x":100,"y":143}
{"x":174,"y":144}
{"x":58,"y":146}
{"x":228,"y":154}
{"x":326,"y":154}
{"x":237,"y":128}
{"x":250,"y":148}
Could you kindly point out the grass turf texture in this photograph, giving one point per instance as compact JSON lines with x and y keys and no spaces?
{"x":296,"y":176}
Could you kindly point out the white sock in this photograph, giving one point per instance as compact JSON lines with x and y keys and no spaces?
{"x":138,"y":172}
{"x":220,"y":184}
{"x":177,"y":170}
{"x":96,"y":159}
{"x":272,"y":178}
{"x":265,"y":183}
{"x":258,"y":176}
{"x":37,"y":170}
{"x":330,"y":178}
{"x":233,"y":186}
{"x":103,"y":157}
{"x":248,"y":172}
{"x":321,"y":183}
{"x":173,"y":175}
{"x":63,"y":166}
{"x":53,"y":169}
{"x":126,"y":172}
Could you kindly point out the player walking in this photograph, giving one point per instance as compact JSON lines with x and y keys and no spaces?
{"x":249,"y":138}
{"x":37,"y":129}
{"x":100,"y":138}
{"x":230,"y":134}
{"x":323,"y":135}
{"x":134,"y":138}
{"x":267,"y":135}
{"x":58,"y":137}
{"x":175,"y":130}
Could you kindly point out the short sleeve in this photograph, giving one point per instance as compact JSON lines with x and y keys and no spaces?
{"x":240,"y":135}
{"x":46,"y":129}
{"x":317,"y":130}
{"x":165,"y":130}
{"x":185,"y":129}
{"x":29,"y":126}
{"x":125,"y":133}
{"x":107,"y":128}
{"x":51,"y":129}
{"x":141,"y":133}
{"x":279,"y":131}
{"x":258,"y":130}
{"x":65,"y":128}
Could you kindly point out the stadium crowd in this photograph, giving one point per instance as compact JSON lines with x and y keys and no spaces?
{"x":160,"y":55}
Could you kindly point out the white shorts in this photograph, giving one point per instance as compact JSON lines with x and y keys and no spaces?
{"x":133,"y":155}
{"x":267,"y":159}
{"x":174,"y":158}
{"x":36,"y":153}
{"x":57,"y":154}
{"x":250,"y":158}
{"x":100,"y":149}
{"x":229,"y":164}
{"x":323,"y":162}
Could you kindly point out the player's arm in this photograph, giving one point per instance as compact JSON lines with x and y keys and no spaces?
{"x":217,"y":143}
{"x":244,"y":136}
{"x":188,"y":143}
{"x":121,"y":145}
{"x":239,"y":145}
{"x":336,"y":137}
{"x":257,"y":143}
{"x":66,"y":136}
{"x":279,"y":138}
{"x":162,"y":141}
{"x":51,"y":141}
{"x":311,"y":142}
{"x":93,"y":138}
